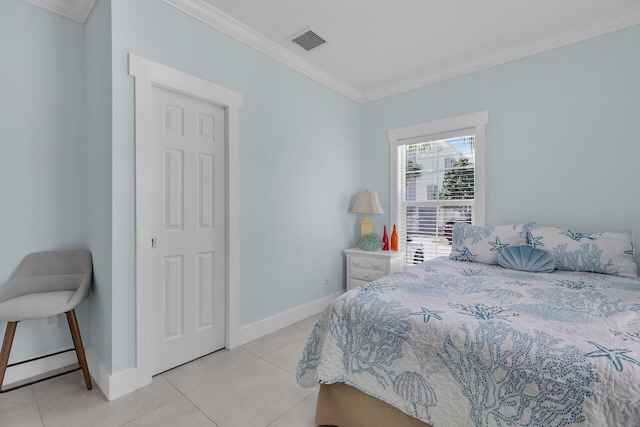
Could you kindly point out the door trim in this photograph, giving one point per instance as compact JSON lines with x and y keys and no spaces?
{"x":147,"y":74}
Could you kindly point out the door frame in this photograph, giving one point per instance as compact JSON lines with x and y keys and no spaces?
{"x":148,"y":74}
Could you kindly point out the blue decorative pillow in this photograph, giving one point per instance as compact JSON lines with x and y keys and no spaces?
{"x":607,"y":253}
{"x":527,"y":258}
{"x":484,"y":244}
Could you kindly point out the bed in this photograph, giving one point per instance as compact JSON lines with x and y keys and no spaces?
{"x":458,"y":343}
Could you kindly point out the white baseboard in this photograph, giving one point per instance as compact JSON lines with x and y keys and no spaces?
{"x":124,"y":382}
{"x":37,"y":367}
{"x":114,"y":386}
{"x":117,"y":385}
{"x":111,"y":385}
{"x":281,"y":320}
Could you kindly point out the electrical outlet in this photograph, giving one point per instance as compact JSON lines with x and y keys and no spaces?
{"x":326,"y":277}
{"x":50,"y":322}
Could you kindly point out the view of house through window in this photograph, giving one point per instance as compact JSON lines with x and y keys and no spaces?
{"x":438,"y":179}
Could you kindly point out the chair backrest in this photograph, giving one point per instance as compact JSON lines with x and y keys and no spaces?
{"x":49,"y":272}
{"x":53,"y":263}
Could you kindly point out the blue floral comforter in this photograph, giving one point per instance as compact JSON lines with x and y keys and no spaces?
{"x":463,"y":344}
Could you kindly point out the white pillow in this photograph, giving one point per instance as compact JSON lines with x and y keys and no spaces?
{"x":607,"y":253}
{"x":484,"y":244}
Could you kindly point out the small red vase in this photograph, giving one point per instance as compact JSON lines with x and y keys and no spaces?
{"x":385,"y":240}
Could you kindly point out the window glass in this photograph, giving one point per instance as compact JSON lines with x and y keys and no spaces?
{"x":439,"y":179}
{"x":436,"y":181}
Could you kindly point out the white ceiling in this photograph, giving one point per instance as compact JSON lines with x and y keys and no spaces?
{"x":380,"y":47}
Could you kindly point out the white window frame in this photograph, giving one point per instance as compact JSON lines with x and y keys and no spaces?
{"x":436,"y":130}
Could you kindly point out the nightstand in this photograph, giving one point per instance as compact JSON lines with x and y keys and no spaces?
{"x":366,"y":266}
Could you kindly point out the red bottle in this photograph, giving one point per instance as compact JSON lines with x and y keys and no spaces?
{"x":394,"y":239}
{"x":385,"y":240}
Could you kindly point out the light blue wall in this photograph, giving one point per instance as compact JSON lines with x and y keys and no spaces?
{"x":561,"y":149}
{"x":42,"y":165}
{"x":300,"y":148}
{"x":68,"y":164}
{"x":562,"y":143}
{"x":98,"y":131}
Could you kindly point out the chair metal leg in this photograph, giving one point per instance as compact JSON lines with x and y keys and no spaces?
{"x":6,"y":348}
{"x":77,"y":342}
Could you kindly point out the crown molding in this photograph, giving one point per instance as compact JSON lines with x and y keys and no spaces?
{"x":566,"y":37}
{"x":215,"y":18}
{"x":228,"y":25}
{"x":77,"y":10}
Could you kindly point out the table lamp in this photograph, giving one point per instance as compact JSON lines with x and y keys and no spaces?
{"x":367,"y":202}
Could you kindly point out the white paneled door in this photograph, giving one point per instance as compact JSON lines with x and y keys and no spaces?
{"x":188,"y":244}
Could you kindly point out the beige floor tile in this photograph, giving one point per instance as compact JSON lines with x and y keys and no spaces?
{"x":16,"y":397}
{"x":180,"y":412}
{"x":204,"y":370}
{"x":308,"y":323}
{"x":73,"y":381}
{"x":251,"y":386}
{"x":301,"y":415}
{"x":253,"y":396}
{"x":22,"y":415}
{"x":288,"y":356}
{"x":90,"y":408}
{"x":275,"y":341}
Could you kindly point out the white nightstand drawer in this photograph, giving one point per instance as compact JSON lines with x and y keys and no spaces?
{"x":366,"y":266}
{"x":368,"y":263}
{"x":366,"y":274}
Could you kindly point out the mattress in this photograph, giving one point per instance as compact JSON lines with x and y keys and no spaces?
{"x":460,"y":344}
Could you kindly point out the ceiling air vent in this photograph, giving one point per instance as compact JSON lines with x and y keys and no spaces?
{"x":308,"y":39}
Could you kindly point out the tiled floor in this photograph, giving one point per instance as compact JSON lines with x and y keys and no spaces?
{"x":250,"y":386}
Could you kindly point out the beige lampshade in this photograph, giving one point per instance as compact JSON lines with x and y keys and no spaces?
{"x":367,"y":202}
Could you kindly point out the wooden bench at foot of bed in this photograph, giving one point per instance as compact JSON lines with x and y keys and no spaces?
{"x":344,"y":406}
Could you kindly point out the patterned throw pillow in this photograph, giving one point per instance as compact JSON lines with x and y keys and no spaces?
{"x":607,"y":253}
{"x":483,"y":244}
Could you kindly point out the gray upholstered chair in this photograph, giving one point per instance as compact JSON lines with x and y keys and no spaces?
{"x":46,"y":284}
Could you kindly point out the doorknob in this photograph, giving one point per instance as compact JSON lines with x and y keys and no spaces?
{"x":153,"y":242}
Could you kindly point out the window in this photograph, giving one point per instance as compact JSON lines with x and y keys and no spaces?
{"x":448,"y":162}
{"x":437,"y":179}
{"x":432,"y":192}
